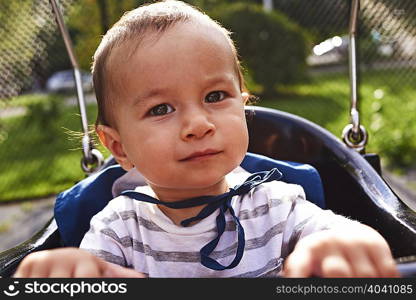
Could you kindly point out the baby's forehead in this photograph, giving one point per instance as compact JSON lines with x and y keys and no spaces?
{"x":218,"y":36}
{"x":210,"y":36}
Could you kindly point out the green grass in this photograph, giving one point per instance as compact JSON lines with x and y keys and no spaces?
{"x":39,"y":157}
{"x":27,"y":100}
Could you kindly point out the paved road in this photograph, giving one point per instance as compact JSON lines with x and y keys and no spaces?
{"x":403,"y":186}
{"x":20,"y":221}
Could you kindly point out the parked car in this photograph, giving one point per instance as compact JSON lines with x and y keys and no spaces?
{"x":64,"y":81}
{"x":331,"y":51}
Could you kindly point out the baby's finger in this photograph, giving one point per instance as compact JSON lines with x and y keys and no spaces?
{"x":23,"y":270}
{"x":33,"y":265}
{"x":61,"y":271}
{"x":383,"y":261}
{"x":87,"y":269}
{"x":299,"y":264}
{"x":115,"y":271}
{"x":335,"y":264}
{"x":361,"y":263}
{"x":380,"y":255}
{"x":39,"y":271}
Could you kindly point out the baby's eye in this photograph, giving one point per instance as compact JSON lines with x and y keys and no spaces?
{"x":215,"y":97}
{"x":161,"y":109}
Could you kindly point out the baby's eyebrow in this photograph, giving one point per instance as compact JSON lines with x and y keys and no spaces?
{"x":155,"y":92}
{"x":220,"y":79}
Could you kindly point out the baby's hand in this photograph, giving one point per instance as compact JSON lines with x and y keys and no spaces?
{"x":70,"y":262}
{"x":355,"y":252}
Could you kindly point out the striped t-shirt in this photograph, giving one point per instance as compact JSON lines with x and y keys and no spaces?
{"x":274,"y":215}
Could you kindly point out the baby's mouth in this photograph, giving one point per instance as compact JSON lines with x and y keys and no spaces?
{"x":201,"y":155}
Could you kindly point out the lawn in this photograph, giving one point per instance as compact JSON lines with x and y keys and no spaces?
{"x":41,"y":154}
{"x":39,"y":157}
{"x":387,"y":110}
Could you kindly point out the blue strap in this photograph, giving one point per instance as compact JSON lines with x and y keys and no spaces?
{"x":298,"y":173}
{"x":223,"y":202}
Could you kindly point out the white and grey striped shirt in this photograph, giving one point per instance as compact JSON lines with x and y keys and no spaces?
{"x":274,"y":215}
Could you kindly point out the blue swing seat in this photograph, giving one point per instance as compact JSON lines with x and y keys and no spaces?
{"x":76,"y":206}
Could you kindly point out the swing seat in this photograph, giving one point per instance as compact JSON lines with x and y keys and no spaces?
{"x":304,"y":152}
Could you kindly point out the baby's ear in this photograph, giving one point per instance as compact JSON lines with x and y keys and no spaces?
{"x":110,"y":138}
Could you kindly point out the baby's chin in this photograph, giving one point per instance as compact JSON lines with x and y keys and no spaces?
{"x":195,"y":188}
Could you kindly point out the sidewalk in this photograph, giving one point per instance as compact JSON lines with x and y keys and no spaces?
{"x":403,"y":186}
{"x":20,"y":221}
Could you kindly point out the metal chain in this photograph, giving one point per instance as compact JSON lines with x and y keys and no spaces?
{"x":354,"y":135}
{"x":92,"y":158}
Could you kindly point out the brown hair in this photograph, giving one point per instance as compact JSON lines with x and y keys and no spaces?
{"x":133,"y":25}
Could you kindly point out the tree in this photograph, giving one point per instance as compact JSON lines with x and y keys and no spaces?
{"x":102,"y":5}
{"x":262,"y":39}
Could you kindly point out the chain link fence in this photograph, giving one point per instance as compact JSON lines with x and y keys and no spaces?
{"x":40,"y":158}
{"x":27,"y":32}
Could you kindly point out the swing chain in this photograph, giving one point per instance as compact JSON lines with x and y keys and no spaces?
{"x":90,"y":163}
{"x":354,"y":135}
{"x":355,"y":139}
{"x":92,"y":158}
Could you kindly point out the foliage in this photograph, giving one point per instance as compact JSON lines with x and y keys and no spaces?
{"x":87,"y":15}
{"x":390,"y":109}
{"x":386,"y":112}
{"x":322,"y":19}
{"x":262,"y":38}
{"x":209,"y":5}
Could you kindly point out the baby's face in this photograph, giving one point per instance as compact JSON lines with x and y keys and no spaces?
{"x":179,"y":112}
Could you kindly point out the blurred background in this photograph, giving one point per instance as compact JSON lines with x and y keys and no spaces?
{"x":295,"y":57}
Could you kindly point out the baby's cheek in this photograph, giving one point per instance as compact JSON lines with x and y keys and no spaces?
{"x":238,"y":140}
{"x":241,"y":135}
{"x":152,"y":151}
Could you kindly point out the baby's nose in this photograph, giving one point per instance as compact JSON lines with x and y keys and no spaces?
{"x":197,"y":127}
